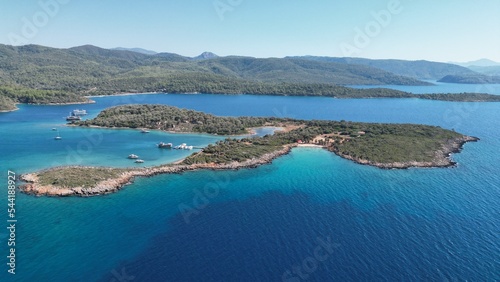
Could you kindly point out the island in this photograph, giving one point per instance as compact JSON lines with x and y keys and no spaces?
{"x":35,"y":74}
{"x":381,"y":145}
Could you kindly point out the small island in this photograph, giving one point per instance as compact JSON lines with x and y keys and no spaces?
{"x":381,"y":145}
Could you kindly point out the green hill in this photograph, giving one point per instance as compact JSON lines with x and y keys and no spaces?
{"x":38,"y":74}
{"x":417,"y":69}
{"x":471,"y":79}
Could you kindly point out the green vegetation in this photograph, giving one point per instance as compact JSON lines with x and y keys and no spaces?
{"x":77,"y":176}
{"x":383,"y":143}
{"x":173,"y":119}
{"x":462,"y":97}
{"x":230,"y":150}
{"x":471,"y":79}
{"x":10,"y":95}
{"x":40,"y":75}
{"x":418,"y":69}
{"x":7,"y":104}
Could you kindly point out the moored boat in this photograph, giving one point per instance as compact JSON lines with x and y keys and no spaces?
{"x":79,"y":112}
{"x":132,"y":156}
{"x":139,"y":161}
{"x":73,"y":118}
{"x":165,"y":145}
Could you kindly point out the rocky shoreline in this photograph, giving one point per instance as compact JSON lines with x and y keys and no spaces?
{"x":442,"y":157}
{"x":51,"y":104}
{"x":33,"y":186}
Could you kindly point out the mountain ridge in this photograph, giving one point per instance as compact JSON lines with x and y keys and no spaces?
{"x":419,"y":69}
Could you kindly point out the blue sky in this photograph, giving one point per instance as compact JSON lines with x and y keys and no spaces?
{"x":460,"y":30}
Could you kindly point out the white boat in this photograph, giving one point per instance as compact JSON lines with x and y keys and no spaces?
{"x":79,"y":112}
{"x":58,"y":137}
{"x":144,"y":131}
{"x":183,"y":146}
{"x":139,"y":161}
{"x":132,"y":156}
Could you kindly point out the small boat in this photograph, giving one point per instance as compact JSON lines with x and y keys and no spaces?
{"x":144,"y":131}
{"x":165,"y":145}
{"x":132,"y":156}
{"x":54,"y":129}
{"x":58,"y":137}
{"x":189,"y":148}
{"x":73,"y":117}
{"x":79,"y":112}
{"x":139,"y":161}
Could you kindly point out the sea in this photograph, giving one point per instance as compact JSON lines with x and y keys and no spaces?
{"x":308,"y":216}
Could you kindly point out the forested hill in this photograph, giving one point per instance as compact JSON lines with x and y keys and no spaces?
{"x":87,"y":66}
{"x":37,"y":74}
{"x":417,"y":69}
{"x":471,"y":79}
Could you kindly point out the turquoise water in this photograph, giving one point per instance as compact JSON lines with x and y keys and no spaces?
{"x":256,"y":224}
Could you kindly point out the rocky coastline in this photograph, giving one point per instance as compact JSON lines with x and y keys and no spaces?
{"x":442,"y":157}
{"x":34,"y":187}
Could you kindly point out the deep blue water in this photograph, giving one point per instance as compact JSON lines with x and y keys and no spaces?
{"x":311,"y":213}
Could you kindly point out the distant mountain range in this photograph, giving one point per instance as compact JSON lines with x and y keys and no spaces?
{"x":471,"y":79}
{"x":425,"y":70}
{"x":478,"y":63}
{"x":38,"y":74}
{"x":86,"y":66}
{"x":137,"y":50}
{"x":89,"y":67}
{"x":202,"y":56}
{"x":206,"y":56}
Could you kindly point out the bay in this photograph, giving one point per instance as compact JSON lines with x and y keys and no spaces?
{"x":257,"y":224}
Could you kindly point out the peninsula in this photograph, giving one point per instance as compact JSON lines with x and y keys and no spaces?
{"x":376,"y":144}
